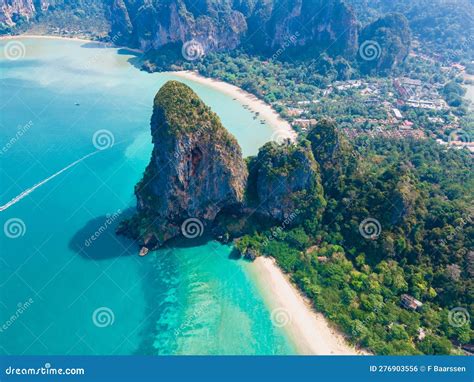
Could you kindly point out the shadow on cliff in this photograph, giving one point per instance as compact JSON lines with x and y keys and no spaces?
{"x":97,"y":240}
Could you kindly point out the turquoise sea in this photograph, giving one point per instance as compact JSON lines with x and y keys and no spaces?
{"x":62,"y":293}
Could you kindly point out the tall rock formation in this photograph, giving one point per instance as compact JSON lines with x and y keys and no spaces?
{"x":316,"y":25}
{"x":334,"y":154}
{"x":262,"y":25}
{"x":12,"y":10}
{"x":196,"y":168}
{"x":152,"y":24}
{"x":285,"y":181}
{"x":384,"y":44}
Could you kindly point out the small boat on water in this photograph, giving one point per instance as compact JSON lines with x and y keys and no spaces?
{"x":76,"y":103}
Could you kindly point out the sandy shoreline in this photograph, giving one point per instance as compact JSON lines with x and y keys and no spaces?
{"x":309,"y":330}
{"x":49,"y":37}
{"x":282,"y":128}
{"x":84,"y":40}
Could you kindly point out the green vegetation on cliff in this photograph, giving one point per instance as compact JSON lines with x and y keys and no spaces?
{"x":196,"y":168}
{"x":442,"y":26}
{"x":183,"y":112}
{"x":392,"y":39}
{"x":285,"y":183}
{"x":357,"y":225}
{"x":418,"y":241}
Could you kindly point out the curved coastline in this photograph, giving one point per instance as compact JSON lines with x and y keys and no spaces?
{"x":78,"y":39}
{"x":310,"y":331}
{"x":282,"y":128}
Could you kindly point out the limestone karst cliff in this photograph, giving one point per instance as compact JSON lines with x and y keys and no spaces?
{"x":10,"y":10}
{"x":302,"y":29}
{"x":285,"y":180}
{"x":197,"y":173}
{"x":196,"y":168}
{"x":260,"y":25}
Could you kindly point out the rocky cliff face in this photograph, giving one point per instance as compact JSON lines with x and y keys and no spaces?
{"x":292,"y":28}
{"x":262,"y":25}
{"x":384,"y":44}
{"x":334,"y":154}
{"x":215,"y":25}
{"x":285,"y":181}
{"x":65,"y":15}
{"x":196,"y":167}
{"x":11,"y":10}
{"x":317,"y":25}
{"x":197,"y":174}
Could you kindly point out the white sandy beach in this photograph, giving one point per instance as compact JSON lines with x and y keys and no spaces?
{"x":282,"y":128}
{"x":16,"y":37}
{"x":309,"y":330}
{"x":50,"y":37}
{"x":266,"y":112}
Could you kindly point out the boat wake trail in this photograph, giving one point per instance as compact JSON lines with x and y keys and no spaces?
{"x":25,"y":193}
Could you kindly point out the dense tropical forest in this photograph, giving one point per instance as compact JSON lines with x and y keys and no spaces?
{"x":377,"y":232}
{"x":445,"y":27}
{"x":396,"y":220}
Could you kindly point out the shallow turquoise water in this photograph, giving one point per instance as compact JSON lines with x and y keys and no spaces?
{"x":181,"y":300}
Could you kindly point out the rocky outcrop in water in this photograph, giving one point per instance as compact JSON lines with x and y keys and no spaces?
{"x":196,"y":169}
